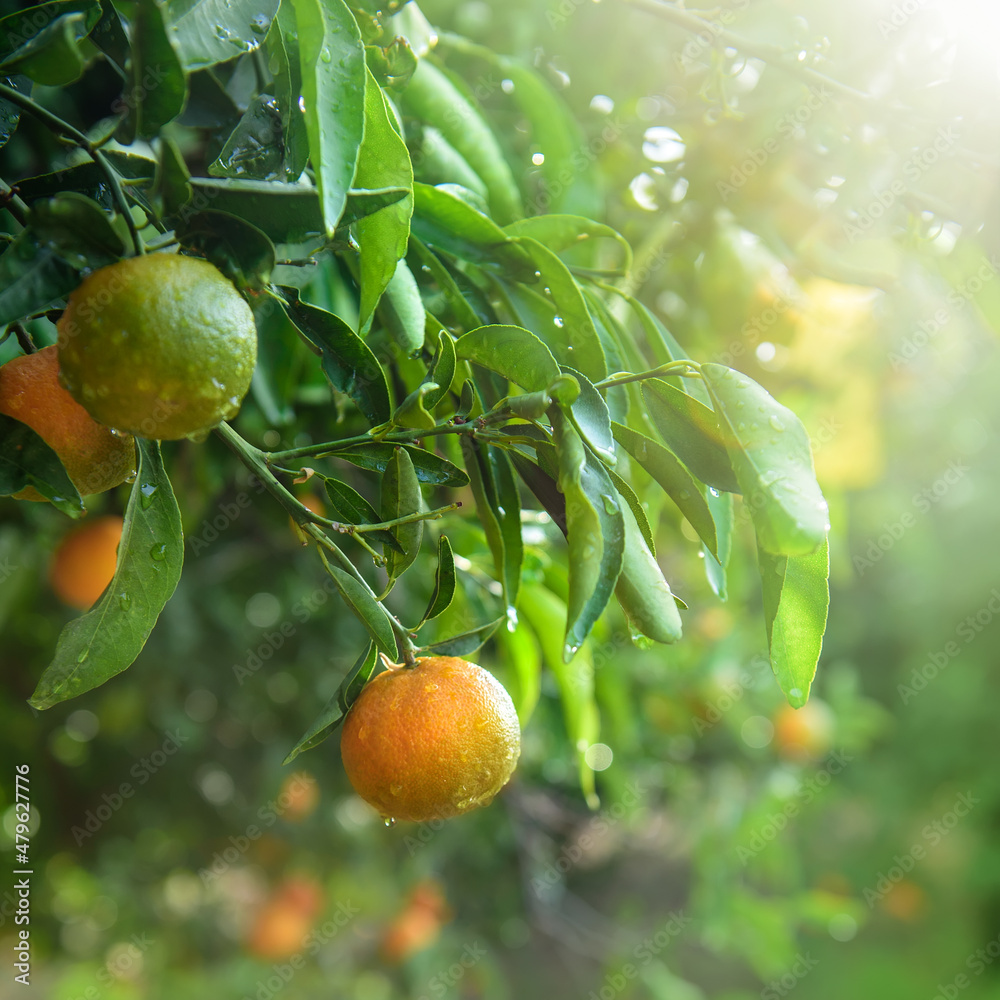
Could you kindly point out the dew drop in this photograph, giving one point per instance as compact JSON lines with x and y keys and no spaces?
{"x":395,"y":789}
{"x":776,"y":424}
{"x":511,"y":619}
{"x":559,"y":321}
{"x":84,"y":653}
{"x":124,"y":602}
{"x":326,"y":55}
{"x":158,"y":551}
{"x":609,"y":503}
{"x":146,"y":494}
{"x":389,"y":820}
{"x":794,"y":693}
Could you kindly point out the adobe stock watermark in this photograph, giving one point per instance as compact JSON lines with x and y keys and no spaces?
{"x":977,"y":963}
{"x":753,"y":158}
{"x":968,"y":630}
{"x":643,"y":953}
{"x":931,"y":835}
{"x":922,"y":501}
{"x":142,"y":771}
{"x":913,"y":169}
{"x":901,"y":13}
{"x":447,"y":979}
{"x":788,"y":980}
{"x":804,"y":794}
{"x":282,"y":973}
{"x":268,"y":814}
{"x":210,"y":529}
{"x":571,"y":854}
{"x":958,"y":299}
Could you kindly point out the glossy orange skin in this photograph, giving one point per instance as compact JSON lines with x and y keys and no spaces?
{"x":431,"y":741}
{"x":95,"y":458}
{"x":85,"y":561}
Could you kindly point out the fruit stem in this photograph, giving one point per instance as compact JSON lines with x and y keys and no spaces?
{"x":56,"y":124}
{"x":23,"y":338}
{"x":13,"y":202}
{"x":426,"y":515}
{"x":409,"y":436}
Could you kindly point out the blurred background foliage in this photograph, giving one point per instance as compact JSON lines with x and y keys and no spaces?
{"x":811,"y":192}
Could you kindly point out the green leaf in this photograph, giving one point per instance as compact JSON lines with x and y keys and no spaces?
{"x":691,"y":431}
{"x":172,"y":180}
{"x":413,"y":412}
{"x":401,"y":496}
{"x":88,"y":179}
{"x":575,"y":678}
{"x":382,"y":162}
{"x":436,"y":161}
{"x":511,"y":351}
{"x":402,"y":310}
{"x":463,"y":314}
{"x":106,"y":640}
{"x":444,"y":582}
{"x":544,"y":488}
{"x":65,"y":236}
{"x":206,"y":32}
{"x":431,"y":97}
{"x":238,"y":249}
{"x":721,"y":506}
{"x":155,"y":87}
{"x":595,"y":531}
{"x":336,"y":708}
{"x":573,"y":337}
{"x":54,"y":56}
{"x":443,"y":367}
{"x":287,"y":213}
{"x":673,"y":478}
{"x":499,"y":508}
{"x":26,"y":460}
{"x":350,"y":507}
{"x":638,"y":511}
{"x":348,"y":362}
{"x":569,"y":232}
{"x":796,"y":602}
{"x":10,"y":114}
{"x":332,"y":60}
{"x":770,"y":452}
{"x":591,"y":418}
{"x":466,"y":643}
{"x":366,"y":609}
{"x":255,"y":149}
{"x":283,"y":46}
{"x":109,"y":36}
{"x":523,"y":655}
{"x":430,"y":469}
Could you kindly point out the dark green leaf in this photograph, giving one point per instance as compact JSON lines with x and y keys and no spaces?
{"x":332,"y":60}
{"x":436,"y":161}
{"x":241,"y":251}
{"x":109,"y":36}
{"x":255,"y":149}
{"x":155,"y":87}
{"x":382,"y":238}
{"x":566,"y":232}
{"x":462,"y":312}
{"x":595,"y":531}
{"x":359,"y":598}
{"x":172,"y":181}
{"x":10,"y":114}
{"x":102,"y":643}
{"x":444,"y":582}
{"x":515,"y":353}
{"x":796,"y":601}
{"x":287,"y":213}
{"x":88,"y":179}
{"x":721,"y":506}
{"x":402,"y":310}
{"x":544,"y":488}
{"x":674,"y":479}
{"x":206,"y":32}
{"x":336,"y":708}
{"x":691,"y":431}
{"x":499,"y":508}
{"x":350,"y":507}
{"x":283,"y":45}
{"x":591,"y":418}
{"x":638,"y":511}
{"x":19,"y":28}
{"x":413,"y":412}
{"x":770,"y":452}
{"x":466,"y":643}
{"x":432,"y":97}
{"x":348,"y":361}
{"x":54,"y":57}
{"x":401,"y":496}
{"x":430,"y":469}
{"x":26,"y":460}
{"x":572,"y":337}
{"x":443,"y":367}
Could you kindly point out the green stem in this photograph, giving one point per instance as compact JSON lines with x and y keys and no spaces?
{"x":56,"y":124}
{"x":254,"y":460}
{"x":394,"y":437}
{"x":427,"y":515}
{"x":684,"y":368}
{"x":13,"y":203}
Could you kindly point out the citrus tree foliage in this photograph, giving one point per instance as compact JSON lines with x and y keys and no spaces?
{"x":473,"y":316}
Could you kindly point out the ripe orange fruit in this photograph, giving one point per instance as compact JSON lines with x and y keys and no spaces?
{"x":282,"y":924}
{"x":418,"y":924}
{"x":162,"y":346}
{"x":95,"y":458}
{"x":805,"y":733}
{"x":298,"y":797}
{"x":431,"y":741}
{"x":85,"y":560}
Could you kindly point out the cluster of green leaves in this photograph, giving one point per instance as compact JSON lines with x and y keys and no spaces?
{"x":480,"y":347}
